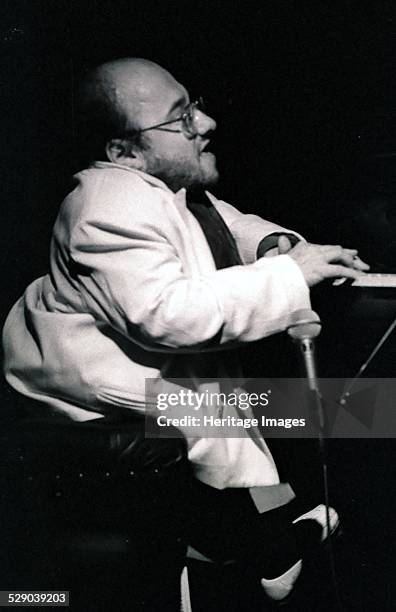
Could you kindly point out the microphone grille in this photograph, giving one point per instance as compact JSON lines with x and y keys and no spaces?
{"x":304,"y":323}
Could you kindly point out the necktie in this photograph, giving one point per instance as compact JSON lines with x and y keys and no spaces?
{"x":225,"y":254}
{"x":221,"y":241}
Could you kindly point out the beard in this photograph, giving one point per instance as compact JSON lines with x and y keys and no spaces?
{"x":179,"y":173}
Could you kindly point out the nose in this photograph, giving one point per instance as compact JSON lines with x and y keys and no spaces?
{"x":204,"y":123}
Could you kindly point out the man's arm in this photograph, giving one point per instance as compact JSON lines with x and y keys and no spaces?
{"x":137,"y":264}
{"x":133,"y":278}
{"x":255,"y":237}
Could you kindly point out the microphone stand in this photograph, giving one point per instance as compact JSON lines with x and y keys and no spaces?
{"x":307,"y":349}
{"x":344,"y":397}
{"x":305,"y":326}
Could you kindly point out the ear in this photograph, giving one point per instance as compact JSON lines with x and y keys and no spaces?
{"x":123,"y":151}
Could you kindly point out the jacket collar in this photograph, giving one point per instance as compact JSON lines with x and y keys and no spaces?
{"x":179,"y":196}
{"x":147,"y":177}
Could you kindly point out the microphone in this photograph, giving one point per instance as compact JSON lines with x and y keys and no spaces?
{"x":304,"y":326}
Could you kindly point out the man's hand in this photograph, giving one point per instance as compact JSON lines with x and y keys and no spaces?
{"x":318,"y":262}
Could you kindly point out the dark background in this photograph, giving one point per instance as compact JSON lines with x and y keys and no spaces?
{"x":303,"y":95}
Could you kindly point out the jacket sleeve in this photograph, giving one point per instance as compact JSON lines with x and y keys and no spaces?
{"x":248,"y":230}
{"x":129,"y":274}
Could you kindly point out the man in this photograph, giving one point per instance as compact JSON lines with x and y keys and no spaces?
{"x":151,"y":277}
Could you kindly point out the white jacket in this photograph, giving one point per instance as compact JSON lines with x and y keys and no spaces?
{"x":133,"y":284}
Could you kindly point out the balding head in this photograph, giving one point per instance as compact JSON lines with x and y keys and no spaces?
{"x":117,"y":98}
{"x":134,"y":86}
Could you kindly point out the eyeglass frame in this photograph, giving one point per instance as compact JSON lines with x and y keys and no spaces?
{"x":187,"y":115}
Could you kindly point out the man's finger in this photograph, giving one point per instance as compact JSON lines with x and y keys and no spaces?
{"x":358,"y":264}
{"x":284,"y":245}
{"x":335,"y":270}
{"x":348,"y":257}
{"x":352,"y":261}
{"x":331,"y":252}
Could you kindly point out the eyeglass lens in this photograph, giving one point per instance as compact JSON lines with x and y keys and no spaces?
{"x":190,"y":115}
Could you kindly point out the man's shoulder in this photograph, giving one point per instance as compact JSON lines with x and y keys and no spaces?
{"x":105,"y":177}
{"x":106,"y":189}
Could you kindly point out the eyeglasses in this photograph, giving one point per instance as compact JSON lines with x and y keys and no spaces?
{"x":188,"y":119}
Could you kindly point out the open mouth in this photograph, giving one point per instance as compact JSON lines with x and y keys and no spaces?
{"x":206,"y":151}
{"x":205,"y":148}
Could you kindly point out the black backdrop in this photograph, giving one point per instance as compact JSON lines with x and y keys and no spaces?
{"x":302,"y":92}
